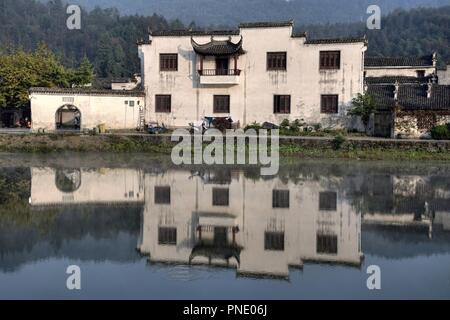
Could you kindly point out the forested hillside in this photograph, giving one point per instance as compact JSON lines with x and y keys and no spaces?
{"x":109,"y":39}
{"x":231,"y":12}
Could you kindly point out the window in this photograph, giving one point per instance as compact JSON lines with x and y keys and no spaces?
{"x":168,"y":62}
{"x":330,"y":60}
{"x":282,"y":104}
{"x":162,"y":195}
{"x":326,"y":244}
{"x":276,"y":60}
{"x":280,"y":199}
{"x":274,"y":241}
{"x":420,"y":73}
{"x":221,"y":104}
{"x":167,"y":236}
{"x":328,"y":201}
{"x":221,"y":197}
{"x":163,"y":103}
{"x":131,"y":104}
{"x":329,"y":103}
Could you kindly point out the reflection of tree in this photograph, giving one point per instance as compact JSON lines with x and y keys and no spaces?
{"x":68,"y":180}
{"x":15,"y":184}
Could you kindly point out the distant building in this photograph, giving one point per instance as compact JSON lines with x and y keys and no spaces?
{"x":409,"y":110}
{"x":411,"y":97}
{"x":126,"y":83}
{"x":418,"y":67}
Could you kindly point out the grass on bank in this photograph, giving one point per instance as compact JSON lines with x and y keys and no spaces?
{"x":339,"y":147}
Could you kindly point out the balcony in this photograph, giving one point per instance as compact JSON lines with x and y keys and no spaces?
{"x":219,"y":76}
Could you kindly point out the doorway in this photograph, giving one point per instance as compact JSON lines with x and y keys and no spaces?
{"x":68,"y":117}
{"x":222,"y":64}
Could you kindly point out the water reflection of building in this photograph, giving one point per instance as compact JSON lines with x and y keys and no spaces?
{"x":261,"y":227}
{"x":56,"y":187}
{"x":408,"y":201}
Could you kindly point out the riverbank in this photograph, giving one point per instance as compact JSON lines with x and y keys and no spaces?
{"x":303,"y":147}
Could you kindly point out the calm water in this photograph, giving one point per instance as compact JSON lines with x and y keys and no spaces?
{"x":141,"y":228}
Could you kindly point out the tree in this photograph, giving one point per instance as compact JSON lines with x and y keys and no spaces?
{"x":21,"y":70}
{"x":84,"y":74}
{"x":363,"y":105}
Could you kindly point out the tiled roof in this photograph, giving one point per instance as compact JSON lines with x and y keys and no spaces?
{"x":215,"y":47}
{"x":411,"y":97}
{"x":373,"y":62}
{"x":275,"y":24}
{"x":88,"y":91}
{"x":393,"y":79}
{"x":190,"y":33}
{"x":336,"y":40}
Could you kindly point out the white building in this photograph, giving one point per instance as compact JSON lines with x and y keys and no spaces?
{"x":79,"y":109}
{"x":260,"y":72}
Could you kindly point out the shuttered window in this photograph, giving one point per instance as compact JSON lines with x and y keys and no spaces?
{"x":276,"y":60}
{"x":329,"y":103}
{"x":282,"y":104}
{"x":330,"y":60}
{"x":163,"y":103}
{"x":168,"y":62}
{"x":221,"y":104}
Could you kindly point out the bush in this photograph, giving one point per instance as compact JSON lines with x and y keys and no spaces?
{"x":441,"y":132}
{"x":254,"y":125}
{"x":338,"y":141}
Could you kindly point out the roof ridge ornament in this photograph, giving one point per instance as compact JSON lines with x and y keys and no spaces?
{"x":397,"y":87}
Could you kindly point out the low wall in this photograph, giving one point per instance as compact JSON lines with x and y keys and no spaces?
{"x":163,"y":143}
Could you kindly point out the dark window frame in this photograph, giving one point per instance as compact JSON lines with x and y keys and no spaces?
{"x":330,"y":60}
{"x":280,"y":199}
{"x":326,"y":244}
{"x":328,"y":201}
{"x":219,"y":199}
{"x":167,"y":236}
{"x":221,"y":103}
{"x":274,"y":241}
{"x":168,"y":62}
{"x":162,"y":195}
{"x":329,"y":103}
{"x":282,"y":103}
{"x":276,"y":61}
{"x":162,"y":106}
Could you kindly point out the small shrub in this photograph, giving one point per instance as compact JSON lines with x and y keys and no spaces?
{"x":284,"y":124}
{"x":256,"y":126}
{"x":338,"y":141}
{"x":441,"y":132}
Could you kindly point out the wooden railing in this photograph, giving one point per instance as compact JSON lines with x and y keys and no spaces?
{"x":219,"y":72}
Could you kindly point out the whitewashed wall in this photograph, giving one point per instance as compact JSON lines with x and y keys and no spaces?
{"x":252,"y":99}
{"x":398,"y":71}
{"x":444,"y":76}
{"x":95,"y":109}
